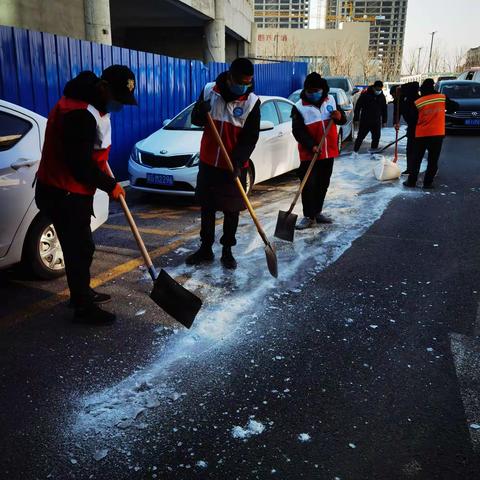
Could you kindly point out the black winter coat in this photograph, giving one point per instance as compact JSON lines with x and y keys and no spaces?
{"x":371,"y":109}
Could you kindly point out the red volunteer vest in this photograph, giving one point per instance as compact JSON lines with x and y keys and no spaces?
{"x":316,"y":120}
{"x":53,"y":170}
{"x":229,"y":118}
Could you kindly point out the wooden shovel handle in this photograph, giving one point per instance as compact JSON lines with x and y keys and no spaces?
{"x":225,"y":154}
{"x":310,"y":167}
{"x":136,"y":233}
{"x":397,"y":121}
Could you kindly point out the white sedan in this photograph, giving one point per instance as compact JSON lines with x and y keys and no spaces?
{"x":25,"y":234}
{"x":167,"y":160}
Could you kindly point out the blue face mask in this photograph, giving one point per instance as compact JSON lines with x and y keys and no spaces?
{"x":237,"y":89}
{"x":114,"y":106}
{"x":378,"y":92}
{"x":315,"y":96}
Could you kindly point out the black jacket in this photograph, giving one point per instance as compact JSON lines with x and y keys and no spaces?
{"x":251,"y":130}
{"x":300,"y":131}
{"x":371,"y":109}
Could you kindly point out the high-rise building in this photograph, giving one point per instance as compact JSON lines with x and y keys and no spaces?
{"x":281,"y":13}
{"x":387,"y":20}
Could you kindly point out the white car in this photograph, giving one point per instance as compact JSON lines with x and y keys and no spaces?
{"x":25,"y":234}
{"x":167,"y":160}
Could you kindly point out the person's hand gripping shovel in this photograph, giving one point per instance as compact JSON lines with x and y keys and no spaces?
{"x":269,"y":249}
{"x":285,"y":229}
{"x":169,"y":295}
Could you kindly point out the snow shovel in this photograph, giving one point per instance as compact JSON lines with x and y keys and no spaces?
{"x":389,"y":145}
{"x":169,"y":295}
{"x":272,"y":262}
{"x":285,"y":229}
{"x":387,"y":169}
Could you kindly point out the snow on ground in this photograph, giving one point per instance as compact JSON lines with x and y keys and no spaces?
{"x":355,"y":201}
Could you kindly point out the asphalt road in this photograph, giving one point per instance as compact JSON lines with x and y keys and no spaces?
{"x":360,"y":362}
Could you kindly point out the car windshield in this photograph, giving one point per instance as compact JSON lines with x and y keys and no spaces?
{"x":183,"y":121}
{"x":295,"y":96}
{"x":461,"y":91}
{"x":338,"y":83}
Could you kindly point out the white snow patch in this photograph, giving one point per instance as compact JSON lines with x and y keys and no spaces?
{"x":253,"y":427}
{"x":352,"y":445}
{"x":304,"y":437}
{"x":100,"y":454}
{"x":140,"y":312}
{"x":202,"y":464}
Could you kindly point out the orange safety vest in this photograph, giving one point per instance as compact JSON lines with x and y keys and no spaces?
{"x":431,"y":115}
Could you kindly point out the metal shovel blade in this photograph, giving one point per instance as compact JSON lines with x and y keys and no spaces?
{"x":272,"y":262}
{"x":177,"y":301}
{"x":285,"y":229}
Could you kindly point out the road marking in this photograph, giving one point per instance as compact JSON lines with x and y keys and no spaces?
{"x":150,"y":231}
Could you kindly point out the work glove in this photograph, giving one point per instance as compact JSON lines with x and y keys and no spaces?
{"x":117,"y":192}
{"x":315,"y":148}
{"x":384,"y":125}
{"x":397,"y":127}
{"x":336,"y":115}
{"x":203,"y":107}
{"x":237,"y":171}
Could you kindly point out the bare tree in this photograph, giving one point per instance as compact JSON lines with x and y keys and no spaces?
{"x":341,"y":58}
{"x":369,"y":66}
{"x":410,"y":61}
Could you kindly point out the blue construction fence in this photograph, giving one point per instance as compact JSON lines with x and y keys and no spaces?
{"x":34,"y":67}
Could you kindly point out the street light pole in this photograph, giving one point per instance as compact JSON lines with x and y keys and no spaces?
{"x":431,"y":48}
{"x":418,"y":60}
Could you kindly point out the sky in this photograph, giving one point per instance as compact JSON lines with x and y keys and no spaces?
{"x":457,"y":23}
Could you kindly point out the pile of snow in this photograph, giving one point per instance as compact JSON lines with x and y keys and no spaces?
{"x":252,"y":428}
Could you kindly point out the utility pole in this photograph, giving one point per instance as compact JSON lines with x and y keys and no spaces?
{"x":418,"y":59}
{"x":431,"y":48}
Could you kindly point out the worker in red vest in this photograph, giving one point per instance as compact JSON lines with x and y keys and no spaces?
{"x":235,"y":110}
{"x":429,"y":132}
{"x":73,"y":166}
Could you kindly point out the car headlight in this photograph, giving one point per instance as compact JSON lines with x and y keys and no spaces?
{"x":195,"y":160}
{"x":135,"y":155}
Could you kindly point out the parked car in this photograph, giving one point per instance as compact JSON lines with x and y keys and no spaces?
{"x":343,"y":103}
{"x":167,"y":161}
{"x":346,"y":85}
{"x":26,"y":235}
{"x":471,"y":74}
{"x":467,"y":94}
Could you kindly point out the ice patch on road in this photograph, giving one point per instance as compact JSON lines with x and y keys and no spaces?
{"x":304,"y":437}
{"x":252,"y":428}
{"x":232,"y":299}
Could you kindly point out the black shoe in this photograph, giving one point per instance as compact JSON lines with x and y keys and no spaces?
{"x":202,"y":255}
{"x":405,"y":172}
{"x":96,"y":297}
{"x":93,"y":315}
{"x":428,"y":186}
{"x":320,"y":218}
{"x":228,"y":261}
{"x":408,"y":184}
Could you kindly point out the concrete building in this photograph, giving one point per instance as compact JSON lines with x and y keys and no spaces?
{"x":282,"y":13}
{"x":343,"y":51}
{"x":387,"y":20}
{"x":209,"y":30}
{"x":472,"y":57}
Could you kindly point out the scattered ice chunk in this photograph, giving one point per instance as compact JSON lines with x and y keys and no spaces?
{"x":435,"y":244}
{"x":374,"y":326}
{"x":202,"y":464}
{"x":253,"y":427}
{"x":140,"y":312}
{"x":304,"y":437}
{"x":429,"y":349}
{"x":352,"y":445}
{"x":73,"y":461}
{"x":100,"y":454}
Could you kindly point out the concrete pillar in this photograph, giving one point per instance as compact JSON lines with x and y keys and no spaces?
{"x":97,"y":21}
{"x":215,"y":35}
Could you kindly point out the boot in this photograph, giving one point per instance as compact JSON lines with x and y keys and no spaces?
{"x":97,"y":298}
{"x":321,"y":218}
{"x":304,"y":223}
{"x":228,"y":261}
{"x":203,"y":255}
{"x":93,"y":315}
{"x":409,"y":184}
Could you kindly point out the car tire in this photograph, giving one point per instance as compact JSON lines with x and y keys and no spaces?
{"x":250,"y":179}
{"x":42,"y":253}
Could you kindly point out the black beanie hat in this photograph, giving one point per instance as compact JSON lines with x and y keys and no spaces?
{"x":428,"y":86}
{"x":378,"y":83}
{"x":313,"y":80}
{"x":241,"y":66}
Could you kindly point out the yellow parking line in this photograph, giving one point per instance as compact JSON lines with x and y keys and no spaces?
{"x":152,"y":231}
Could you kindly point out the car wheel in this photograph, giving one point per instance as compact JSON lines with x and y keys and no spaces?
{"x":43,"y":254}
{"x":249,"y":180}
{"x":339,"y":140}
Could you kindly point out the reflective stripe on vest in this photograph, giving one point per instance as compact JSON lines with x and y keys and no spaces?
{"x":431,"y":115}
{"x":229,"y":118}
{"x":53,"y":170}
{"x":316,"y":120}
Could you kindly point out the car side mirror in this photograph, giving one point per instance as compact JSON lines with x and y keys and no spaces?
{"x":355,"y":91}
{"x":347,"y":107}
{"x":266,"y":125}
{"x":166,"y":122}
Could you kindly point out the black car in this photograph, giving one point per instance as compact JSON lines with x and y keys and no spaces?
{"x":467,"y":94}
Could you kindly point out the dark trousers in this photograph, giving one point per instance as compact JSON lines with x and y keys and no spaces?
{"x":207,"y":230}
{"x":71,"y":215}
{"x":313,"y":194}
{"x":410,"y":152}
{"x":363,"y":130}
{"x":434,"y":147}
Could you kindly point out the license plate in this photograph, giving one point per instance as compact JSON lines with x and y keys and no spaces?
{"x":158,"y":179}
{"x":471,"y":121}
